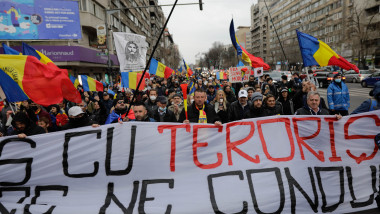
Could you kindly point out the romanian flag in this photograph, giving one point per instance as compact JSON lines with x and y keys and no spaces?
{"x":41,"y":83}
{"x":187,"y":68}
{"x":192,"y":88}
{"x":74,"y":80}
{"x":221,"y":75}
{"x":254,"y":61}
{"x":159,"y":69}
{"x":131,"y":80}
{"x":90,"y":84}
{"x":28,"y":50}
{"x":9,"y":50}
{"x":316,"y":52}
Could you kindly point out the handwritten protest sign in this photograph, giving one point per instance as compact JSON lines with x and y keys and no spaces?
{"x":308,"y":164}
{"x":240,"y":74}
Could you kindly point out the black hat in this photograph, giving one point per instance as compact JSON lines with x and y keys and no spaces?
{"x":284,"y":77}
{"x":162,"y":99}
{"x":177,"y":95}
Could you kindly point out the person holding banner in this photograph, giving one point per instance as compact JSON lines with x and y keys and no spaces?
{"x":312,"y":108}
{"x":141,"y":113}
{"x":200,"y":111}
{"x":77,"y":118}
{"x":24,"y":127}
{"x":119,"y":114}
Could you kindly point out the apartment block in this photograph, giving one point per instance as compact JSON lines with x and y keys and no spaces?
{"x":84,"y":56}
{"x":327,"y":20}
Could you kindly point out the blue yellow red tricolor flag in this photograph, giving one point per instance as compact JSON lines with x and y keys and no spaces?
{"x":28,"y":50}
{"x":74,"y":80}
{"x":189,"y":72}
{"x":316,"y":52}
{"x":131,"y":80}
{"x":41,"y":83}
{"x":159,"y":69}
{"x":254,"y":61}
{"x":9,"y":50}
{"x":91,"y":84}
{"x":221,"y":75}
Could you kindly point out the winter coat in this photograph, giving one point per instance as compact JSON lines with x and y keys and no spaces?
{"x":276,"y":110}
{"x":237,"y":112}
{"x":168,"y":117}
{"x":307,"y":111}
{"x":338,"y":98}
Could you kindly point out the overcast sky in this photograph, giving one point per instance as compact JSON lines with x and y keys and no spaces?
{"x":194,"y":31}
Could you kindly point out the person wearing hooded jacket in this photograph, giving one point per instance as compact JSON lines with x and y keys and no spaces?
{"x":24,"y":127}
{"x":372,"y":103}
{"x":338,"y":97}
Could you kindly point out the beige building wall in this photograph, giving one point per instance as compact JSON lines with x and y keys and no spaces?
{"x":241,"y":35}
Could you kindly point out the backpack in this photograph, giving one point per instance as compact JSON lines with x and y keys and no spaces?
{"x":373,"y":105}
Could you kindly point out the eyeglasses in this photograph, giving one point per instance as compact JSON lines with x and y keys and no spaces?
{"x":120,"y":102}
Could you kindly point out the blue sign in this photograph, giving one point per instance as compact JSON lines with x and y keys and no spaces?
{"x":39,"y":19}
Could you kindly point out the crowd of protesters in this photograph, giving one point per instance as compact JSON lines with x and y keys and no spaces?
{"x":213,"y":101}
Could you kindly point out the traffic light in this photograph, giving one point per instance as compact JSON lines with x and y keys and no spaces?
{"x":200,"y":5}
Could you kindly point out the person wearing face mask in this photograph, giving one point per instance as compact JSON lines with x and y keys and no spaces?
{"x":77,"y":118}
{"x":163,"y":114}
{"x":338,"y":97}
{"x":151,"y":103}
{"x":176,"y":106}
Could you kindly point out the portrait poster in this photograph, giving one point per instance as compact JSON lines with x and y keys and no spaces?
{"x":131,"y":51}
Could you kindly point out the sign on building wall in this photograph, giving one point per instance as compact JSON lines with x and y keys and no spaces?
{"x":39,"y":19}
{"x":101,"y":36}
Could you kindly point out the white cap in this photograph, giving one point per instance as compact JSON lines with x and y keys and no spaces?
{"x":75,"y":111}
{"x":243,"y":93}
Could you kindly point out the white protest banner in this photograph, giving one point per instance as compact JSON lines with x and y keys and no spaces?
{"x":279,"y":164}
{"x":258,"y":72}
{"x":239,"y":74}
{"x":131,"y":51}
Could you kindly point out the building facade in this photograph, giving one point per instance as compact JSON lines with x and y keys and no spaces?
{"x":85,"y":56}
{"x":327,"y":20}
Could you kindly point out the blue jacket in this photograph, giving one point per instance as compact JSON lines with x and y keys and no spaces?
{"x":338,"y":98}
{"x":366,"y":105}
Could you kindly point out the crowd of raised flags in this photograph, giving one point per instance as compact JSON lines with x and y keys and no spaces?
{"x":32,"y":76}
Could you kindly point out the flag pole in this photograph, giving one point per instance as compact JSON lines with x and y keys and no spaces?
{"x":151,"y":55}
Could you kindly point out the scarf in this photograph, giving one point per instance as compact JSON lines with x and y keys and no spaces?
{"x":202,"y":115}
